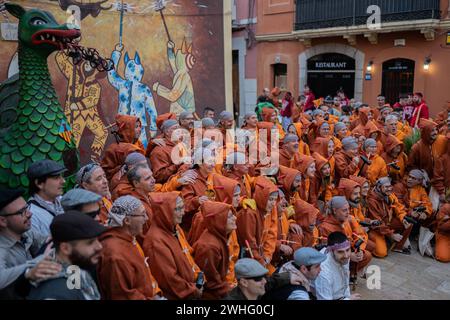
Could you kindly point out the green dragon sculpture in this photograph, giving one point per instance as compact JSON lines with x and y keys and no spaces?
{"x":33,"y":126}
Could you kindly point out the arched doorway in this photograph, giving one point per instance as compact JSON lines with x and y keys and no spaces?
{"x":330,"y":72}
{"x":398,"y":78}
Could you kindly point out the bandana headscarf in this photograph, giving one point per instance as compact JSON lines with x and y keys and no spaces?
{"x":85,"y":173}
{"x":421,"y":175}
{"x":121,"y":208}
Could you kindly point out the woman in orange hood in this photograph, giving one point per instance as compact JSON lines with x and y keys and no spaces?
{"x":396,"y":160}
{"x":322,"y":184}
{"x":266,"y":196}
{"x":170,"y":255}
{"x":211,"y":250}
{"x":326,"y":148}
{"x":226,"y":191}
{"x":299,"y":129}
{"x":270,"y":115}
{"x":306,"y":165}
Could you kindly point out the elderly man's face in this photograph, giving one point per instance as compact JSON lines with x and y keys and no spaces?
{"x":231,"y":222}
{"x":252,"y":121}
{"x":236,"y":197}
{"x":227,"y":124}
{"x":16,"y":216}
{"x":342,"y":213}
{"x":188,"y":122}
{"x":324,"y":130}
{"x":136,"y":221}
{"x":97,"y":183}
{"x":179,"y":211}
{"x":391,"y":126}
{"x":386,"y":189}
{"x":291,"y":147}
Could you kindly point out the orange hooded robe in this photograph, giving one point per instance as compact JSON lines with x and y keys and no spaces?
{"x":306,"y":217}
{"x":424,"y":154}
{"x":170,"y":256}
{"x":443,"y":234}
{"x":401,"y":160}
{"x":211,"y":250}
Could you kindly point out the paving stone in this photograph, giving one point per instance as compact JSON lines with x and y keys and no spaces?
{"x":444,"y":287}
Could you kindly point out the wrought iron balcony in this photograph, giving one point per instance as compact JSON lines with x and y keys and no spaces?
{"x":319,"y":14}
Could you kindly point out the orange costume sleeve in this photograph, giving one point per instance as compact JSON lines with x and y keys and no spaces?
{"x":249,"y":230}
{"x":376,"y":170}
{"x":419,"y":197}
{"x":233,"y":250}
{"x":171,"y":185}
{"x":270,"y":234}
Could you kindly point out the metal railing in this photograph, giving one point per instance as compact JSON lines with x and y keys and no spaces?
{"x":318,"y":14}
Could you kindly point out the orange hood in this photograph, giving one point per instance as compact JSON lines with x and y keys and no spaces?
{"x":263,"y":188}
{"x":426,"y":126}
{"x":286,"y":178}
{"x":363,"y":115}
{"x":305,"y":213}
{"x":224,"y":188}
{"x":320,"y":162}
{"x":215,"y":215}
{"x":392,"y":142}
{"x":320,"y":145}
{"x":267,"y":114}
{"x":163,"y":206}
{"x":346,"y":187}
{"x":359,"y":180}
{"x":370,"y":128}
{"x":126,"y":126}
{"x":302,"y":162}
{"x":298,"y":128}
{"x":163,"y":117}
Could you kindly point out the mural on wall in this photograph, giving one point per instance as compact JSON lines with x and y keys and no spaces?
{"x":87,"y":7}
{"x":82,"y":101}
{"x":135,"y":98}
{"x":169,"y":56}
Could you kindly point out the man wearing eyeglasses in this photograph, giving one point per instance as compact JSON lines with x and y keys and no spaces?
{"x":19,"y":247}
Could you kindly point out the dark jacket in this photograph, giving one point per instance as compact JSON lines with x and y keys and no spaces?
{"x":55,"y":289}
{"x":278,"y":280}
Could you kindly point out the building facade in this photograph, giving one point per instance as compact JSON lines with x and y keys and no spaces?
{"x":365,"y":47}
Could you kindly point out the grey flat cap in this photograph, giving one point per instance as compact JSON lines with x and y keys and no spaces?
{"x":45,"y":168}
{"x":76,"y":197}
{"x":349,"y":143}
{"x":249,"y":268}
{"x":307,"y":256}
{"x":185,"y":114}
{"x":290,"y":138}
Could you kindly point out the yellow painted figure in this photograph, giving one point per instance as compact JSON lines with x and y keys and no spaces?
{"x":81,"y":106}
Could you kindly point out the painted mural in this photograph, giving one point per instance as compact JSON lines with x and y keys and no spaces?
{"x":167,"y":56}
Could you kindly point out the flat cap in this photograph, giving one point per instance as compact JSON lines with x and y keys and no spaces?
{"x":168,"y":123}
{"x":44,"y":168}
{"x":9,"y":195}
{"x":75,"y":225}
{"x":226,"y":115}
{"x":308,"y":256}
{"x":249,"y":268}
{"x":185,"y":114}
{"x":208,"y":122}
{"x":76,"y":197}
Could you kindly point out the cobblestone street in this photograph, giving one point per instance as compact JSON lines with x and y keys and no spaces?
{"x":411,"y":277}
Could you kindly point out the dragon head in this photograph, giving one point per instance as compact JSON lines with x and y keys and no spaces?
{"x":39,"y":30}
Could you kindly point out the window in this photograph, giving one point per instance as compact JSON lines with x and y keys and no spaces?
{"x":280,"y":76}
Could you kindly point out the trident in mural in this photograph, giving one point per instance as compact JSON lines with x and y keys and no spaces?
{"x":181,"y":62}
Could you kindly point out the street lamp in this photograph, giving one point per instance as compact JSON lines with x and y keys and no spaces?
{"x":426,"y":64}
{"x":369,"y":66}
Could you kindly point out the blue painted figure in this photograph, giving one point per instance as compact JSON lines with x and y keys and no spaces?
{"x":135,"y":98}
